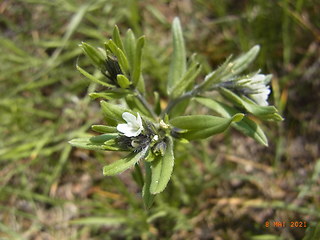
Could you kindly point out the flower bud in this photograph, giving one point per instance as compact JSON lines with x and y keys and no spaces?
{"x":159,"y":149}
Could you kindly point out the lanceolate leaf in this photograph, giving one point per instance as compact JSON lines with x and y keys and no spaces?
{"x":180,"y":108}
{"x":136,"y":73}
{"x":246,"y":126}
{"x":103,"y":138}
{"x":162,"y":169}
{"x":86,"y":143}
{"x":187,"y":79}
{"x":230,"y":68}
{"x":146,"y":195}
{"x":124,"y":163}
{"x":216,"y":75}
{"x":104,"y":129}
{"x":178,"y":60}
{"x":122,"y":59}
{"x":203,"y":126}
{"x":115,"y":93}
{"x":130,"y":47}
{"x":263,"y":112}
{"x":116,"y":38}
{"x":96,"y":57}
{"x":243,"y":61}
{"x":93,"y":78}
{"x":113,"y":112}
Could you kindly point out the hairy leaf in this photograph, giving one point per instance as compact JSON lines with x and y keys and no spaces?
{"x":122,"y":59}
{"x":187,"y":79}
{"x":124,"y":163}
{"x":93,"y":78}
{"x":116,"y":37}
{"x":104,"y":129}
{"x":263,"y":112}
{"x":246,"y":126}
{"x":178,"y":59}
{"x":86,"y":143}
{"x":130,"y":47}
{"x":136,"y":73}
{"x":113,"y":112}
{"x":146,"y":195}
{"x":95,"y":56}
{"x":203,"y":126}
{"x":162,"y":169}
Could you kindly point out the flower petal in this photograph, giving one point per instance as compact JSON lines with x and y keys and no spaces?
{"x":128,"y":117}
{"x":133,"y":127}
{"x":260,"y":99}
{"x":259,"y":78}
{"x":138,"y":119}
{"x":124,"y":128}
{"x":133,"y":133}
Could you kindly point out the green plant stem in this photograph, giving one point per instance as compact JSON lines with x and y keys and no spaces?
{"x":145,"y":103}
{"x":174,"y":102}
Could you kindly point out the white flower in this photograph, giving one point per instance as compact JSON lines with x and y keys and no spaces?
{"x":257,"y":88}
{"x":133,"y":127}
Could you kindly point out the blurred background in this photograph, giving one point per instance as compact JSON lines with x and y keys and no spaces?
{"x":228,"y":187}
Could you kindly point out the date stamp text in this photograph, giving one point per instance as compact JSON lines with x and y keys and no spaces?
{"x":290,"y":224}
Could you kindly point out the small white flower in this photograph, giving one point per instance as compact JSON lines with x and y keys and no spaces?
{"x":258,"y":90}
{"x":133,"y":127}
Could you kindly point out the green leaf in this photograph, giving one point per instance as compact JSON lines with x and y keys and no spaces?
{"x":162,"y":169}
{"x":112,"y":112}
{"x":146,"y":195}
{"x":93,"y":78}
{"x":243,"y":61}
{"x":178,"y":59}
{"x":216,"y":75}
{"x":246,"y":126}
{"x":203,"y":126}
{"x":123,"y":164}
{"x":136,"y":72}
{"x":122,"y":59}
{"x":186,"y":80}
{"x":104,"y":129}
{"x":123,"y":81}
{"x":195,"y":122}
{"x":103,"y":138}
{"x":263,"y":112}
{"x":115,"y":93}
{"x":96,"y":56}
{"x":116,"y":37}
{"x":180,"y":108}
{"x":86,"y":143}
{"x":229,"y":69}
{"x":130,"y":47}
